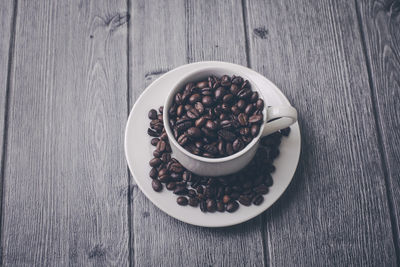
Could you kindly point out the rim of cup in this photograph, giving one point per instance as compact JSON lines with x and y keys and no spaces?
{"x":196,"y":76}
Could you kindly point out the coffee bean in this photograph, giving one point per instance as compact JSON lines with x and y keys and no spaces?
{"x":156,"y":185}
{"x":235,"y":110}
{"x":193,"y":202}
{"x":193,"y":113}
{"x":152,"y":133}
{"x":155,"y":162}
{"x":237,"y":80}
{"x":234,"y":89}
{"x":227,"y":135}
{"x":245,"y":93}
{"x":249,"y":109}
{"x":208,"y":133}
{"x":211,"y":125}
{"x":232,"y":206}
{"x":213,"y":150}
{"x":152,"y":114}
{"x":187,"y":176}
{"x":199,"y":107}
{"x":161,"y":146}
{"x":244,"y":200}
{"x":157,"y":154}
{"x":202,"y":84}
{"x":268,"y":179}
{"x":260,"y":104}
{"x":242,"y":118}
{"x":194,"y":132}
{"x":219,"y":93}
{"x":207,"y":101}
{"x":203,"y":206}
{"x":180,"y":110}
{"x":226,"y":199}
{"x":245,"y":84}
{"x":161,"y":109}
{"x":153,"y":173}
{"x":183,"y":139}
{"x":229,"y":149}
{"x":180,"y":190}
{"x":258,"y":199}
{"x":194,"y":98}
{"x":261,"y":189}
{"x":241,"y":104}
{"x":154,"y":141}
{"x":254,"y":97}
{"x":225,"y":80}
{"x":255,"y":118}
{"x":227,"y":98}
{"x":166,"y":157}
{"x":178,"y":98}
{"x":176,"y":167}
{"x":163,"y":175}
{"x":200,"y":122}
{"x":211,"y":205}
{"x":255,"y":129}
{"x":220,"y":206}
{"x":221,"y":147}
{"x":237,"y":145}
{"x":171,"y":186}
{"x":183,"y":201}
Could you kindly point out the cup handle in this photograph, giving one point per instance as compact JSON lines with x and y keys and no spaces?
{"x":282,"y":116}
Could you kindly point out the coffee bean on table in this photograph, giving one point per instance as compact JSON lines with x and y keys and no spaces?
{"x":193,"y":201}
{"x":155,"y":162}
{"x":152,"y":114}
{"x":153,"y":173}
{"x":183,"y":201}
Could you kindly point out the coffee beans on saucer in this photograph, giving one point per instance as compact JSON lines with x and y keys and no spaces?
{"x":211,"y":194}
{"x":216,"y":117}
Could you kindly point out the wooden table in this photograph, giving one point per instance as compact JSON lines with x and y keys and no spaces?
{"x":71,"y":70}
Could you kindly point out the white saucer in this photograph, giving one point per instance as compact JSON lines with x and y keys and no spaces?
{"x":138,"y":150}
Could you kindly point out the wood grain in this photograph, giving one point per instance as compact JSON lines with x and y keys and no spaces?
{"x":214,"y":31}
{"x":335,"y":212}
{"x":6,"y":42}
{"x":65,"y":183}
{"x":380,"y":22}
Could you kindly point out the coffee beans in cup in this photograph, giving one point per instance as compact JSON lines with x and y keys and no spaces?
{"x":216,"y":117}
{"x":211,"y":194}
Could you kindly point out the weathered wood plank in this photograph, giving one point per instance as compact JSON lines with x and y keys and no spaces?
{"x":214,"y":31}
{"x":380,"y":21}
{"x":6,"y":19}
{"x":65,"y":184}
{"x":335,"y":213}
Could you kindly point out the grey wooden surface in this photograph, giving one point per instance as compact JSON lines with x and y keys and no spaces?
{"x":71,"y":70}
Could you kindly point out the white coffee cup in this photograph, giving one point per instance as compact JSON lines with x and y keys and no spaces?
{"x":283,"y":116}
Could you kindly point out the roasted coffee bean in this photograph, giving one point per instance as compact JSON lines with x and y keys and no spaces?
{"x":220,"y":206}
{"x":152,"y":133}
{"x":225,"y":80}
{"x":237,"y":80}
{"x":229,"y":149}
{"x":237,"y":145}
{"x":161,"y":109}
{"x":226,"y":199}
{"x":255,"y":118}
{"x":207,"y":101}
{"x":211,"y":125}
{"x":156,"y":185}
{"x":213,"y":150}
{"x":172,"y":111}
{"x":208,"y":133}
{"x":234,"y":89}
{"x":221,"y":147}
{"x":246,"y":84}
{"x":258,"y":199}
{"x":194,"y":202}
{"x":235,"y":195}
{"x":163,"y":175}
{"x":199,"y":107}
{"x":254,"y":97}
{"x":227,"y":98}
{"x":194,"y":132}
{"x":157,"y":154}
{"x":180,"y":110}
{"x":203,"y":206}
{"x":286,"y":131}
{"x":166,"y":157}
{"x":152,"y":114}
{"x":268,"y":180}
{"x":235,"y":110}
{"x":206,"y":91}
{"x":232,"y":206}
{"x":226,"y":124}
{"x":176,"y":167}
{"x":227,"y":135}
{"x":193,"y":113}
{"x":178,"y":99}
{"x":155,"y":162}
{"x":249,"y":109}
{"x":261,"y":189}
{"x":211,"y":205}
{"x":245,"y":200}
{"x":194,"y":98}
{"x":202,"y":84}
{"x":161,"y":146}
{"x":200,"y":122}
{"x":260,"y":104}
{"x":255,"y":129}
{"x":183,"y":201}
{"x":176,"y":176}
{"x":154,"y":141}
{"x":171,"y":185}
{"x":242,"y":118}
{"x":153,"y":173}
{"x":183,"y":139}
{"x":219,"y":93}
{"x":187,"y":176}
{"x":241,"y":104}
{"x":244,"y":131}
{"x":245,"y":93}
{"x":181,"y":190}
{"x":199,"y":144}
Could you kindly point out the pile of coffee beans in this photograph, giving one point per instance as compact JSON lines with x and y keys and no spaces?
{"x":211,"y":193}
{"x":216,"y":117}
